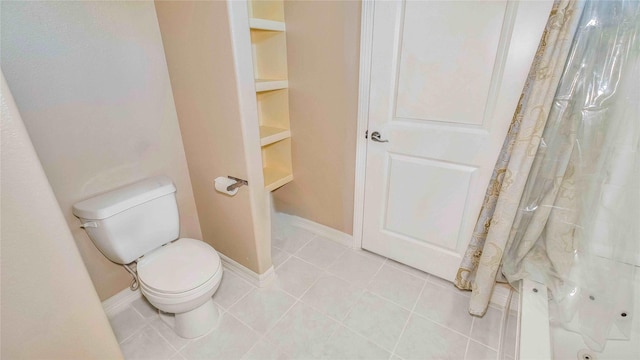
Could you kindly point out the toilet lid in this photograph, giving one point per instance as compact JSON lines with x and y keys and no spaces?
{"x":179,"y":267}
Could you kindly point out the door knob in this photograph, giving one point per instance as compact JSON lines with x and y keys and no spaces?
{"x":375,"y":136}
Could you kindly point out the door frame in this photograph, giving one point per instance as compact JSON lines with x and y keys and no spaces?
{"x":364,"y":82}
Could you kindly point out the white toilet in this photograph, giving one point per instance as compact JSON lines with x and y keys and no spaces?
{"x":139,"y":223}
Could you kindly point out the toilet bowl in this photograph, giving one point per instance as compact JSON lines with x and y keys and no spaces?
{"x":140,"y":223}
{"x":180,"y":278}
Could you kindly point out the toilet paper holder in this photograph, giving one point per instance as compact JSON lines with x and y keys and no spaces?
{"x":239,"y":182}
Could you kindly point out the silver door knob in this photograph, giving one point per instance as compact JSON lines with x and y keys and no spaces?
{"x":375,"y":136}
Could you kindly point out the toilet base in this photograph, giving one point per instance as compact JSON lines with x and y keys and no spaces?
{"x":194,"y":323}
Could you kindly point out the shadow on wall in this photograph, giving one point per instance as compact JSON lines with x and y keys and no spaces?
{"x":91,"y":82}
{"x":49,"y":306}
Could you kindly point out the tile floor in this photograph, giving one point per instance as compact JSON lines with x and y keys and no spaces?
{"x":328,"y":302}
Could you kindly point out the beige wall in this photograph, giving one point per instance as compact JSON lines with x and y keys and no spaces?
{"x":323,"y":54}
{"x":91,"y":82}
{"x":201,"y":66}
{"x":49,"y":308}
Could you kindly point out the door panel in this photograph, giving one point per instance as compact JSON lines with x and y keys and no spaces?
{"x":438,"y":40}
{"x":420,"y":186}
{"x":445,"y":80}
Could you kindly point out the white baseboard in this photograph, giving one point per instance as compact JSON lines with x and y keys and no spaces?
{"x":260,"y":280}
{"x":119,"y":301}
{"x":318,"y":229}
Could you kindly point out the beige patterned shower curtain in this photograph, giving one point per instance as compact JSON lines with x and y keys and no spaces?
{"x":482,"y":261}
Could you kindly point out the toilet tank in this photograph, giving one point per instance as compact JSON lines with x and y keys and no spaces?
{"x":133,"y":220}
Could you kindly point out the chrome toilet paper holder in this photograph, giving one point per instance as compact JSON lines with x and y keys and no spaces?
{"x":238,"y":183}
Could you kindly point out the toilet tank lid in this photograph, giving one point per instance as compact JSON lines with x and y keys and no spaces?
{"x":118,"y":200}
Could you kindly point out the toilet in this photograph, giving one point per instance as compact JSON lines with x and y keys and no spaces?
{"x":139,"y":223}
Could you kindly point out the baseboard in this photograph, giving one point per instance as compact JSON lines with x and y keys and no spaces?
{"x":318,"y":229}
{"x":260,"y":280}
{"x":119,"y":301}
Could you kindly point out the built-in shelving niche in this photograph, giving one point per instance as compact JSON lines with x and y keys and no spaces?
{"x":276,"y":164}
{"x":269,"y":47}
{"x":273,"y":112}
{"x":269,"y":54}
{"x":267,"y":9}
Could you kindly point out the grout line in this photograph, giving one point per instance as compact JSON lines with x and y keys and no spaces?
{"x":451,"y":288}
{"x":475,"y":318}
{"x":138,"y":312}
{"x":305,"y":244}
{"x":364,"y":289}
{"x":406,"y":323}
{"x":310,"y":286}
{"x":289,"y":255}
{"x":424,"y":281}
{"x":404,"y":270}
{"x":163,"y":338}
{"x":402,"y":306}
{"x":299,"y":299}
{"x":466,"y":350}
{"x":135,"y":332}
{"x":306,"y":262}
{"x":336,"y":258}
{"x":276,"y":323}
{"x":325,"y":271}
{"x":285,"y":238}
{"x":253,"y":288}
{"x":331,"y":316}
{"x":340,"y":323}
{"x":235,"y":302}
{"x":189,"y":341}
{"x":296,"y":300}
{"x":473,"y":324}
{"x":259,"y":336}
{"x":364,"y":286}
{"x":251,"y":348}
{"x":330,"y":264}
{"x":130,"y":336}
{"x":445,"y":326}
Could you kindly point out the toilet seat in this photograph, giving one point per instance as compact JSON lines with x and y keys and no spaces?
{"x":187,"y":294}
{"x":179,"y":269}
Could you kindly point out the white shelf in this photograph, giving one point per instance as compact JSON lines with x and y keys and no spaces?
{"x":270,"y":135}
{"x":262,"y":24}
{"x":274,"y":178}
{"x":267,"y":85}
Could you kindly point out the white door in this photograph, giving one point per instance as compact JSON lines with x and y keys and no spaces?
{"x":445,"y":80}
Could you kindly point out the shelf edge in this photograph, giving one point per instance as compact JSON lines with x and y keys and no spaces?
{"x":268,"y":85}
{"x":263,"y":24}
{"x":268,"y":140}
{"x":276,"y":184}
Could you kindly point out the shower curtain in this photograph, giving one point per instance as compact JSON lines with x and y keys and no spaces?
{"x":483,"y":258}
{"x":577,"y":226}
